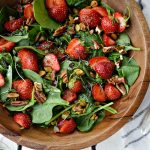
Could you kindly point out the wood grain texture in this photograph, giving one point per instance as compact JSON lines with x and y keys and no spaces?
{"x":45,"y":139}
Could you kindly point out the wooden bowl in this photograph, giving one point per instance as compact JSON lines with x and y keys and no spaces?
{"x":39,"y":138}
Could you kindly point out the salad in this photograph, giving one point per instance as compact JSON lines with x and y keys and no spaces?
{"x":64,"y":63}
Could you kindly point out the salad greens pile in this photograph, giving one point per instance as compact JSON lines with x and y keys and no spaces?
{"x":85,"y":110}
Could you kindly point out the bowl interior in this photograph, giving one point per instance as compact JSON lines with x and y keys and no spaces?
{"x":40,"y":138}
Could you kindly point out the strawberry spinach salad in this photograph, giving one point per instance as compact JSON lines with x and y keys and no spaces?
{"x":64,"y":63}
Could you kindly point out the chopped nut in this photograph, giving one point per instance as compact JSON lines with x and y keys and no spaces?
{"x":116,"y":80}
{"x":42,"y":38}
{"x":96,"y":45}
{"x":51,"y":75}
{"x":11,"y":18}
{"x":71,"y":20}
{"x":114,"y":36}
{"x":77,"y":27}
{"x":64,"y":76}
{"x":65,"y":115}
{"x":82,"y":26}
{"x":48,"y":69}
{"x":38,"y":94}
{"x":12,"y":95}
{"x":26,"y":28}
{"x":83,"y":103}
{"x":108,"y":49}
{"x":19,"y":103}
{"x":122,"y":51}
{"x":94,"y":4}
{"x":56,"y":129}
{"x":98,"y":30}
{"x":94,"y":117}
{"x":76,"y":19}
{"x":92,"y":75}
{"x":122,"y":89}
{"x":91,"y":31}
{"x":38,"y":37}
{"x":29,"y":21}
{"x":59,"y":31}
{"x":42,"y":73}
{"x":72,"y":31}
{"x":79,"y":72}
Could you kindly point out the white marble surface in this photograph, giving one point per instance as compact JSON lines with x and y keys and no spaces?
{"x":129,"y":137}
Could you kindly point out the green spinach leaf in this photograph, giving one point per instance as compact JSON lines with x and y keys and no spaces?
{"x":42,"y":16}
{"x":44,"y":112}
{"x":109,"y":9}
{"x":130,"y":70}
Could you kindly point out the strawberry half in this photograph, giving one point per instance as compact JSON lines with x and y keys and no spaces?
{"x":90,"y":17}
{"x":69,"y":96}
{"x":77,"y":86}
{"x":121,"y":20}
{"x":75,"y":49}
{"x":2,"y":80}
{"x":98,"y":93}
{"x":28,"y":11}
{"x":103,"y":66}
{"x":23,"y":120}
{"x":101,"y":11}
{"x":24,"y":88}
{"x":108,"y":41}
{"x":46,"y":45}
{"x":50,"y":60}
{"x":109,"y":25}
{"x":6,"y":45}
{"x":13,"y":25}
{"x":28,"y":59}
{"x":67,"y":126}
{"x":112,"y":92}
{"x":57,"y":9}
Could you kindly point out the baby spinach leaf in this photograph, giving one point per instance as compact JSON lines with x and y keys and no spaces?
{"x":32,"y":48}
{"x":130,"y":70}
{"x":15,"y":38}
{"x":125,"y":41}
{"x":114,"y":56}
{"x":85,"y":96}
{"x":44,"y":112}
{"x":22,"y":108}
{"x":33,"y":76}
{"x":8,"y":84}
{"x":42,"y":16}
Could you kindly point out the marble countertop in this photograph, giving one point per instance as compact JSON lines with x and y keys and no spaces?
{"x":129,"y":137}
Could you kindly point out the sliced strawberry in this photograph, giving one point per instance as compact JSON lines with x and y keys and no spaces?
{"x":101,"y":10}
{"x":57,"y":9}
{"x":28,"y":11}
{"x":2,"y":80}
{"x":50,"y":60}
{"x":89,"y":17}
{"x":67,"y":126}
{"x":76,"y":50}
{"x":112,"y":92}
{"x":98,"y":93}
{"x":121,"y":20}
{"x":23,"y":120}
{"x":28,"y":59}
{"x":77,"y":86}
{"x":109,"y":25}
{"x":13,"y":25}
{"x":24,"y":88}
{"x":108,"y":41}
{"x":69,"y":96}
{"x":6,"y":45}
{"x":46,"y":45}
{"x":103,"y":66}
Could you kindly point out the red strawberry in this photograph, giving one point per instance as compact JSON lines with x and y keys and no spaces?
{"x":121,"y":20}
{"x":101,"y":10}
{"x":50,"y":60}
{"x":46,"y":45}
{"x":28,"y":59}
{"x":103,"y":66}
{"x":2,"y":80}
{"x":77,"y":86}
{"x":76,"y":50}
{"x":57,"y":9}
{"x":28,"y":11}
{"x":6,"y":45}
{"x":24,"y":88}
{"x":23,"y":120}
{"x":69,"y":96}
{"x":112,"y":92}
{"x":98,"y":93}
{"x":108,"y":41}
{"x":13,"y":25}
{"x":89,"y":17}
{"x":67,"y":126}
{"x":109,"y":25}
